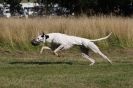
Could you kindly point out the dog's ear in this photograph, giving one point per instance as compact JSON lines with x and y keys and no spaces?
{"x":43,"y":34}
{"x":47,"y":36}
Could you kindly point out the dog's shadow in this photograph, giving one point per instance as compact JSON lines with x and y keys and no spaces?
{"x":41,"y":63}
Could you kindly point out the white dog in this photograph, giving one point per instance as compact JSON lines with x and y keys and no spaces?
{"x":66,"y":41}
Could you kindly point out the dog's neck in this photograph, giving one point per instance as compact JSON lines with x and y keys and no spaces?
{"x":50,"y":38}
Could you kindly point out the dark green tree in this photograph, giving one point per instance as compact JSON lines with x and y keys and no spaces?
{"x":15,"y":6}
{"x":91,"y":7}
{"x":1,"y":1}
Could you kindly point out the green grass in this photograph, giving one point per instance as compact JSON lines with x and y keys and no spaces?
{"x":31,"y":70}
{"x":25,"y":69}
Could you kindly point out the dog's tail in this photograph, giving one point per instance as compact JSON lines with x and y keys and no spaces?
{"x":101,"y":38}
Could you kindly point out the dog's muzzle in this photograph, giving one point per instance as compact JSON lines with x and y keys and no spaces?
{"x":34,"y":42}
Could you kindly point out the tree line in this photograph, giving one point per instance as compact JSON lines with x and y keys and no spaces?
{"x":88,"y":7}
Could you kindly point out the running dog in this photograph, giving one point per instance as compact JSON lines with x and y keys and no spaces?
{"x":63,"y":42}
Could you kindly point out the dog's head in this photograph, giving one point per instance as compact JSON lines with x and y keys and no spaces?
{"x":39,"y":39}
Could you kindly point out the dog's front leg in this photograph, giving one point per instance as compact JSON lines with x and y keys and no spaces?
{"x":58,"y":49}
{"x":44,"y":47}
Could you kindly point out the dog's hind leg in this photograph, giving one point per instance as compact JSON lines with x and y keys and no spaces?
{"x":94,"y":48}
{"x":87,"y":57}
{"x":85,"y":52}
{"x":104,"y":56}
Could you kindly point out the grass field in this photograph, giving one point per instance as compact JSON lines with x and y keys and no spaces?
{"x":17,"y":33}
{"x":31,"y":70}
{"x":21,"y":65}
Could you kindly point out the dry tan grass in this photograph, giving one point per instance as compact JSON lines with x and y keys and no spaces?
{"x":18,"y":32}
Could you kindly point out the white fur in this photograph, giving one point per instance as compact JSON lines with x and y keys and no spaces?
{"x":67,"y":41}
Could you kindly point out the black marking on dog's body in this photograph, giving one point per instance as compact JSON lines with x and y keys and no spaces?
{"x":54,"y":46}
{"x":85,"y":50}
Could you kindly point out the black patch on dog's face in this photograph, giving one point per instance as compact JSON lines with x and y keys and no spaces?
{"x":34,"y":42}
{"x":42,"y":35}
{"x":41,"y":38}
{"x":47,"y":36}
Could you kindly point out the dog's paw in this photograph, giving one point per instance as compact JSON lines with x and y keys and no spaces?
{"x":92,"y":63}
{"x":41,"y":52}
{"x":56,"y":54}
